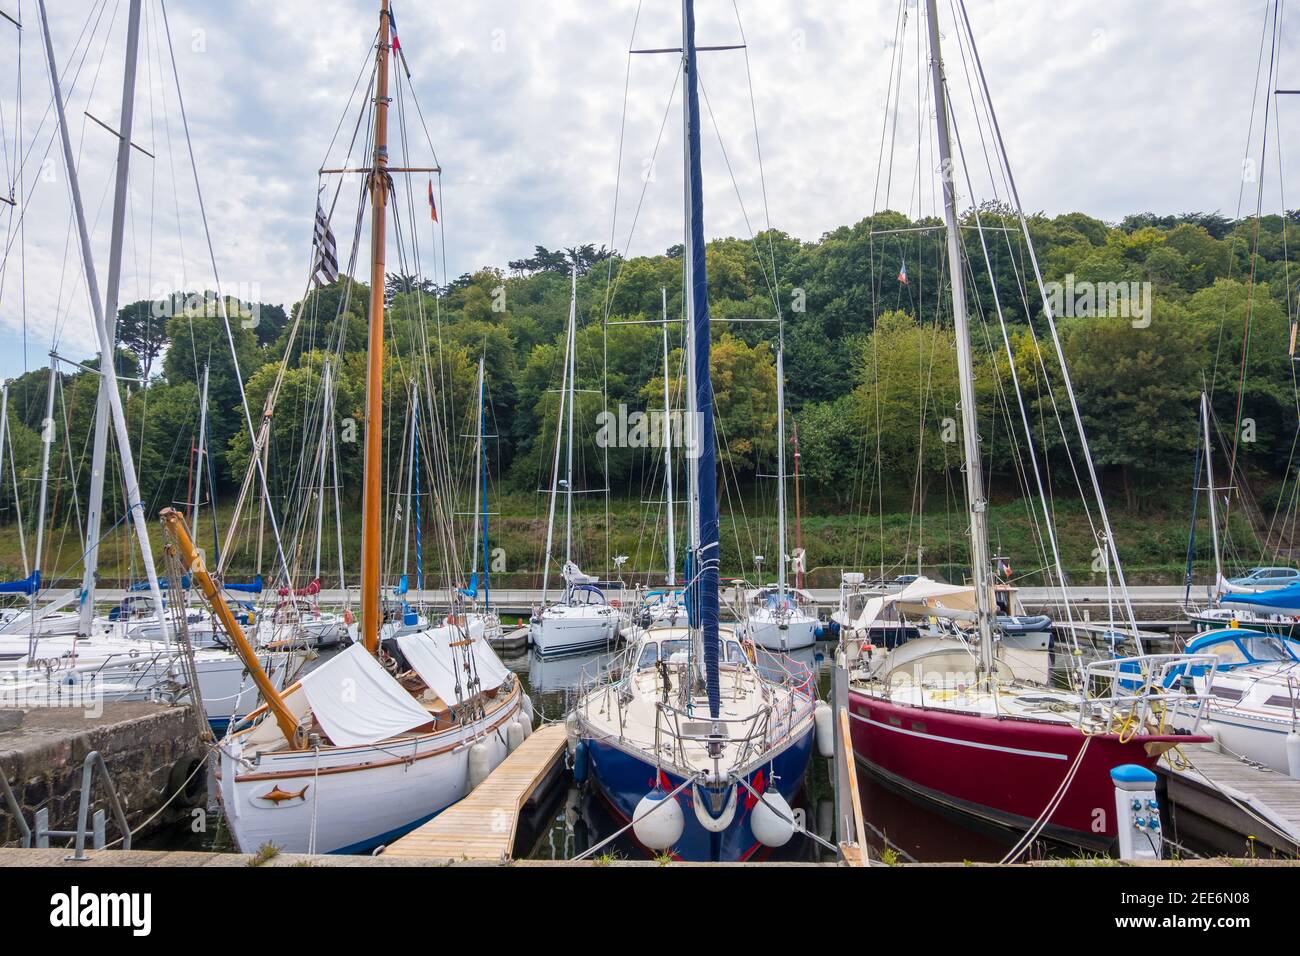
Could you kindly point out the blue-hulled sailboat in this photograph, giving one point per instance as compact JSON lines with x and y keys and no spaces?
{"x":691,"y":740}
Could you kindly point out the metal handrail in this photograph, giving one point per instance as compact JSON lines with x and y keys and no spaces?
{"x":93,"y":760}
{"x":1152,"y":673}
{"x":16,"y":811}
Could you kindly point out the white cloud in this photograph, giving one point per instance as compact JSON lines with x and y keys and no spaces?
{"x":1108,"y":107}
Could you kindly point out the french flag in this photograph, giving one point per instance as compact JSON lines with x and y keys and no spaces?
{"x":392,"y":26}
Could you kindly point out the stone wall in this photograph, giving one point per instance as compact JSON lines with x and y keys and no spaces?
{"x":149,"y":749}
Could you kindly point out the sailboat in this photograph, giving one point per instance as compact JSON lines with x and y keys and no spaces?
{"x":689,"y":740}
{"x":582,"y":619}
{"x":955,"y":723}
{"x":779,"y":617}
{"x":359,"y":752}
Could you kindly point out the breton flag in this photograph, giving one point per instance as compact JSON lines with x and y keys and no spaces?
{"x":902,"y":273}
{"x":433,"y":206}
{"x":326,"y":268}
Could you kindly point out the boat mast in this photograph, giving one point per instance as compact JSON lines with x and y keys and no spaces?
{"x":798,"y":527}
{"x":106,"y":369}
{"x":327,"y":417}
{"x":99,"y":454}
{"x":555,"y":472}
{"x":705,"y":541}
{"x":573,"y":371}
{"x":1209,"y":478}
{"x":407,"y":524}
{"x":200,"y":452}
{"x":668,"y":451}
{"x":47,"y":439}
{"x":372,"y":508}
{"x":965,"y":360}
{"x":480,"y":480}
{"x":780,"y":469}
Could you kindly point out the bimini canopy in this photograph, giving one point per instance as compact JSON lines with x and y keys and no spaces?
{"x":358,"y":702}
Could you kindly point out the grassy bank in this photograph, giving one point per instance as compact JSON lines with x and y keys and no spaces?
{"x":1152,"y":543}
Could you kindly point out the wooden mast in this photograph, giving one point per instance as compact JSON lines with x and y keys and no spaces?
{"x":371,"y":507}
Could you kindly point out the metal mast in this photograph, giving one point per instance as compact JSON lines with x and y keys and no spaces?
{"x":372,"y":509}
{"x":99,"y":455}
{"x":106,"y":368}
{"x":965,"y":360}
{"x":668,"y":452}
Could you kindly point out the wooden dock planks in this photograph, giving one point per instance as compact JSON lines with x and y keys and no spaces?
{"x":482,"y":826}
{"x":1230,"y":803}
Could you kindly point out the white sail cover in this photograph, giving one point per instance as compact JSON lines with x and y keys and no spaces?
{"x":923,"y":596}
{"x":358,"y":702}
{"x":430,"y":653}
{"x":491,"y":672}
{"x":573,"y":574}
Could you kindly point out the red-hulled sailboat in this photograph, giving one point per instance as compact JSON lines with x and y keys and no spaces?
{"x":957,"y":718}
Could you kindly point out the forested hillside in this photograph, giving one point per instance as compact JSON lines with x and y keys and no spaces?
{"x":870,"y":366}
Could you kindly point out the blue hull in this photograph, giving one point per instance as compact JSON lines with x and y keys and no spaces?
{"x":624,"y":778}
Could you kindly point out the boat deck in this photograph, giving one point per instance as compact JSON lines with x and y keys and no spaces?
{"x":1219,"y":800}
{"x":482,"y":826}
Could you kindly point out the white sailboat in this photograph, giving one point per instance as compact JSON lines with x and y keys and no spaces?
{"x":305,"y":773}
{"x":778,"y":617}
{"x":582,"y":619}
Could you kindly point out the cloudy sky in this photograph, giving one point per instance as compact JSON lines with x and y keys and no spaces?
{"x":1107,"y":106}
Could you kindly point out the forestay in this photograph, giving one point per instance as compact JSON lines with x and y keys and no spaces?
{"x":358,"y":702}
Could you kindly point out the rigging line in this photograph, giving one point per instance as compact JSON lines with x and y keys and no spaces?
{"x":1254,"y":262}
{"x":758,"y":150}
{"x":81,"y":146}
{"x":645,"y":185}
{"x":1110,"y":542}
{"x":1241,"y":189}
{"x":753,"y":239}
{"x":891,"y":96}
{"x":618,"y":168}
{"x":234,"y":354}
{"x":1015,"y":379}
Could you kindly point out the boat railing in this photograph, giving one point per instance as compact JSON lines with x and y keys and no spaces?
{"x":1135,"y":693}
{"x":749,"y":734}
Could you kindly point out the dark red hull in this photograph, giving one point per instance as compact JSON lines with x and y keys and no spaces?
{"x":1002,"y":770}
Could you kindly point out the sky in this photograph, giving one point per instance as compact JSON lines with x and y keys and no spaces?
{"x":548,"y":132}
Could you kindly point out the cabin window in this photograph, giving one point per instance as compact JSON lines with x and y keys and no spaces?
{"x":1266,"y":649}
{"x":1229,"y":653}
{"x":1227,"y":693}
{"x":1281,"y":700}
{"x":649,"y":655}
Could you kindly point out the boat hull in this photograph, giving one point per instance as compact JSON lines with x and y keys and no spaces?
{"x":357,"y":798}
{"x":1002,"y":770}
{"x":623,"y":776}
{"x":794,"y":636}
{"x":568,"y":635}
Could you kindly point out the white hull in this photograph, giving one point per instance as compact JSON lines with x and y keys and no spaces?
{"x":137,"y":670}
{"x":358,"y":797}
{"x":1028,"y":641}
{"x":792,"y":634}
{"x":561,"y":629}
